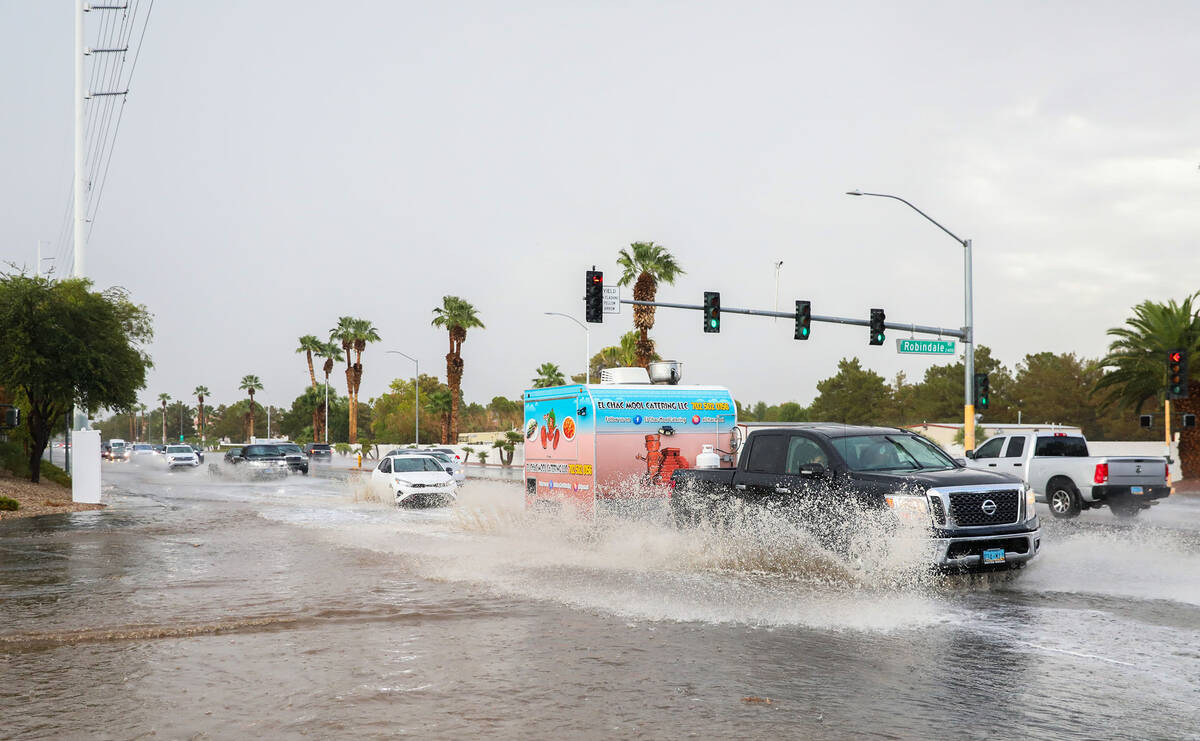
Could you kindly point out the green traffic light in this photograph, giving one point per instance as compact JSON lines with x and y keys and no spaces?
{"x":879,"y":337}
{"x":804,"y":331}
{"x":713,"y":323}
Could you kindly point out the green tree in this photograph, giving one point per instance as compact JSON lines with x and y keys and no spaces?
{"x":548,"y":374}
{"x":508,"y":446}
{"x":939,"y":396}
{"x":64,"y":344}
{"x":853,"y":396}
{"x":648,"y":264}
{"x":438,"y":405}
{"x":250,"y":384}
{"x":393,"y":412}
{"x":200,"y":392}
{"x":163,"y":399}
{"x":621,"y":355}
{"x":1135,"y":368}
{"x":456,"y":316}
{"x":1056,"y":388}
{"x":353,"y":334}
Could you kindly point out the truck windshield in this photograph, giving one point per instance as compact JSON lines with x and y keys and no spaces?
{"x":891,"y":453}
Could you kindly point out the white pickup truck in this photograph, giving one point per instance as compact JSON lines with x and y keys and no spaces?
{"x":1057,"y":467}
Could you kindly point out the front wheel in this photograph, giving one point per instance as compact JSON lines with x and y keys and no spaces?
{"x":1064,"y":500}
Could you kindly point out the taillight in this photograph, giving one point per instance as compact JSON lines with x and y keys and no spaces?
{"x":1166,"y":472}
{"x":1101,"y":473}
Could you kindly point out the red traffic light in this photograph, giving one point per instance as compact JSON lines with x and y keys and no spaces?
{"x":597,"y":278}
{"x":1174,"y":356}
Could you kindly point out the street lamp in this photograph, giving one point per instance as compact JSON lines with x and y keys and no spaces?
{"x":587,"y":358}
{"x":417,"y":390}
{"x":968,"y":321}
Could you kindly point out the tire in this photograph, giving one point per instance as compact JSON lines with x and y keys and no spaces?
{"x":1063,"y":499}
{"x":1125,"y":511}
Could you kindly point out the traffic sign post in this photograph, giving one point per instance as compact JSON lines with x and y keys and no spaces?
{"x":925,"y":347}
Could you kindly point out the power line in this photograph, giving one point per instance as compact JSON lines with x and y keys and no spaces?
{"x":108,"y":159}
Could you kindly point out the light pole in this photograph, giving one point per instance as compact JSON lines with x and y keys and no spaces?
{"x":587,"y":358}
{"x":417,"y":391}
{"x":968,"y":321}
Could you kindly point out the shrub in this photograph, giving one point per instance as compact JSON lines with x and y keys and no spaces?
{"x":9,"y":505}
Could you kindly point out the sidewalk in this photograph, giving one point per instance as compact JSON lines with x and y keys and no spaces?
{"x":1187,"y":487}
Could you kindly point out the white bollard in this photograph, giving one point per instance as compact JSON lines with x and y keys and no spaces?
{"x":85,"y":466}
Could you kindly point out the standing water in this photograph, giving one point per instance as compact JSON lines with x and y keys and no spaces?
{"x":198,"y":605}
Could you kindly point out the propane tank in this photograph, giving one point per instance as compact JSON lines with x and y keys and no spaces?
{"x":708,"y":458}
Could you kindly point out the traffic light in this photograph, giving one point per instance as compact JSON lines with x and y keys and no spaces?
{"x":803,"y":319}
{"x":12,"y":417}
{"x":1177,"y":373}
{"x":593,"y":297}
{"x":877,"y":317}
{"x":983,"y":394}
{"x":180,"y":438}
{"x":1189,"y":420}
{"x":712,"y":311}
{"x":1146,"y":420}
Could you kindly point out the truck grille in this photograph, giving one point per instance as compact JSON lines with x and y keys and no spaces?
{"x":967,"y":508}
{"x":938,"y":509}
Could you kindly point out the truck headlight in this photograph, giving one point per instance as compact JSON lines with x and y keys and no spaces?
{"x":1030,"y":503}
{"x":909,"y":509}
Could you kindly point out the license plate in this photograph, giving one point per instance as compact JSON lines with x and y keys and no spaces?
{"x":993,"y":555}
{"x":1137,"y":490}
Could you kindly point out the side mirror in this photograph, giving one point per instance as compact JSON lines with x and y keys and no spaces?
{"x":970,"y":454}
{"x":449,"y":470}
{"x":813,"y":469}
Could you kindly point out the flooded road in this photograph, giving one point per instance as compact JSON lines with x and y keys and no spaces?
{"x":199,"y":606}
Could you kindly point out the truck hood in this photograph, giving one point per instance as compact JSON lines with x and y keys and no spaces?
{"x":948,"y":477}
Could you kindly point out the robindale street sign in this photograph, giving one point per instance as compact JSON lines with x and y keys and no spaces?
{"x":925,"y":347}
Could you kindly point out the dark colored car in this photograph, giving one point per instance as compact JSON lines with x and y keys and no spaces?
{"x":977,"y":520}
{"x":232,"y":454}
{"x":262,"y":460}
{"x":319,"y":452}
{"x":296,"y":459}
{"x":199,"y":452}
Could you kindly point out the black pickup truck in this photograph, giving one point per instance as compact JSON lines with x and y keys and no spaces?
{"x":978,"y":520}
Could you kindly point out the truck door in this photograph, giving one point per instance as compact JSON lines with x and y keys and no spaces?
{"x":987,"y":456}
{"x":1013,"y":459}
{"x":762,"y":474}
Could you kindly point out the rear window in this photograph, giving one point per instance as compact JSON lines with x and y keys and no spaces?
{"x":256,"y":451}
{"x":319,"y":446}
{"x":179,"y":449}
{"x":1061,"y":447}
{"x":766,"y":455}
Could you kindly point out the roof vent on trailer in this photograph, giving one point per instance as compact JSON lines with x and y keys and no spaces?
{"x":624,"y":375}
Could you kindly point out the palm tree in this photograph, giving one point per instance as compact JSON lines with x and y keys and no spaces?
{"x":201,"y":392}
{"x":1137,"y":365}
{"x":309,"y":345}
{"x":353,"y":334}
{"x":648,"y":263}
{"x":456,"y":316}
{"x":164,"y":398}
{"x":548,"y":375}
{"x":250,"y":384}
{"x":438,"y":405}
{"x":331,"y":353}
{"x":141,"y":431}
{"x":621,"y":355}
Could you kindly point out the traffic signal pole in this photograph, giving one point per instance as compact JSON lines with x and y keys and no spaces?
{"x":1167,"y":422}
{"x":914,"y":328}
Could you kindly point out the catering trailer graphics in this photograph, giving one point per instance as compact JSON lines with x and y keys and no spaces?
{"x":617,"y":441}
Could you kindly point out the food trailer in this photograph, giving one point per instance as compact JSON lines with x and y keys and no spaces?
{"x":616,"y":440}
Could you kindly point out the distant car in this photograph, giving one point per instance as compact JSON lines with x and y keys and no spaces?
{"x":160,"y":449}
{"x":106,"y":451}
{"x":231,"y":454}
{"x":452,"y":466}
{"x":296,"y":459}
{"x":142,"y":452}
{"x":319,"y":452}
{"x":118,"y":450}
{"x":180,"y":456}
{"x":263,"y":460}
{"x":415,"y":480}
{"x":199,"y":452}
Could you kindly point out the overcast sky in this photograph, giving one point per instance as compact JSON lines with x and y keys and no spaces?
{"x":281,"y":164}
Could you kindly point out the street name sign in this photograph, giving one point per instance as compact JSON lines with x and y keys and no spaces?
{"x":925,"y":347}
{"x":611,"y":299}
